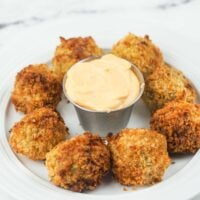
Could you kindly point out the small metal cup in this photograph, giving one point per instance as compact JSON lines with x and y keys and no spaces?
{"x":102,"y":122}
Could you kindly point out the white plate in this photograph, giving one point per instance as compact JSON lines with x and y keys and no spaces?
{"x":26,"y":179}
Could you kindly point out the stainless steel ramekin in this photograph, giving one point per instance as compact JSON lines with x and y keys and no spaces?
{"x":102,"y":122}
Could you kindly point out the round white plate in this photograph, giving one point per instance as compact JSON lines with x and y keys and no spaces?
{"x":27,"y":179}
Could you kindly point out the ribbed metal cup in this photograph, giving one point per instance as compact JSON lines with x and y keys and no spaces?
{"x":105,"y":122}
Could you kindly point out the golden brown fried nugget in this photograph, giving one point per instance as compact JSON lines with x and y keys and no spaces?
{"x":140,"y":51}
{"x":180,"y":123}
{"x":78,"y":164}
{"x":73,"y":50}
{"x":138,"y":156}
{"x":37,"y":133}
{"x":36,"y":87}
{"x":166,"y":84}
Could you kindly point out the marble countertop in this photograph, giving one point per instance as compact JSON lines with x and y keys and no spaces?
{"x":181,"y":16}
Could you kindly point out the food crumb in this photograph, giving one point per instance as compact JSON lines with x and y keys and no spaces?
{"x":134,"y":188}
{"x":173,"y":162}
{"x":125,"y":189}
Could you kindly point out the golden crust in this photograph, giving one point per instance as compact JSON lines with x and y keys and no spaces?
{"x":180,"y":123}
{"x":73,"y":50}
{"x":140,"y":51}
{"x":78,"y":164}
{"x":37,"y":133}
{"x":138,"y":156}
{"x":36,"y":87}
{"x":166,"y":84}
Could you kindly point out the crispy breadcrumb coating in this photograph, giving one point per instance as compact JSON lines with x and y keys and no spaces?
{"x":37,"y":133}
{"x":180,"y":123}
{"x":78,"y":164}
{"x":73,"y":50}
{"x":166,"y":84}
{"x":36,"y":87}
{"x":140,"y":51}
{"x":138,"y":156}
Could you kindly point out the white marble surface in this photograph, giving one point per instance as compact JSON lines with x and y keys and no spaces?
{"x":181,"y":16}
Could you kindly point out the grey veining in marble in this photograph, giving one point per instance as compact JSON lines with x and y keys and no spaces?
{"x":172,"y":4}
{"x":58,"y":9}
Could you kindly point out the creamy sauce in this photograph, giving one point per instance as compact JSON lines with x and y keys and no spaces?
{"x":102,"y":84}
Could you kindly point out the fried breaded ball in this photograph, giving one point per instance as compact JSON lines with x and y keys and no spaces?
{"x":79,"y":164}
{"x":180,"y":123}
{"x":166,"y":84}
{"x":73,"y":50}
{"x":140,"y":51}
{"x":36,"y":87}
{"x":138,"y":156}
{"x":37,"y":133}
